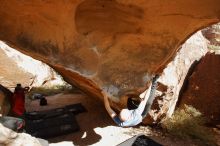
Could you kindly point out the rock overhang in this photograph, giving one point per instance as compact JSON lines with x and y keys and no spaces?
{"x":111,"y":45}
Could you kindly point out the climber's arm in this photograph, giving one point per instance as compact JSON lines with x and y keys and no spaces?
{"x":110,"y":111}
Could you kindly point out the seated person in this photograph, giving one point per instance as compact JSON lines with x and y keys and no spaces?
{"x":133,"y":117}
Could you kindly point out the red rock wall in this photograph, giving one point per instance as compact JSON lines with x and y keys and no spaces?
{"x":203,"y":91}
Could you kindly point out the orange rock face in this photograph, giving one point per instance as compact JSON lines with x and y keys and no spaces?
{"x":111,"y":45}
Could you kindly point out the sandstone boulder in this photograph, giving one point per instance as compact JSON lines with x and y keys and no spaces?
{"x":11,"y":138}
{"x":19,"y":68}
{"x":203,"y":87}
{"x":212,"y":33}
{"x":5,"y":104}
{"x":111,"y":45}
{"x":173,"y":76}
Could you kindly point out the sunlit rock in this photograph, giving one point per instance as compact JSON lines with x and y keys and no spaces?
{"x":11,"y":138}
{"x":173,"y":76}
{"x":19,"y":68}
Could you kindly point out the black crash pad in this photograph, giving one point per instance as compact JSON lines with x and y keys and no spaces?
{"x":73,"y":108}
{"x":51,"y":127}
{"x":140,"y":140}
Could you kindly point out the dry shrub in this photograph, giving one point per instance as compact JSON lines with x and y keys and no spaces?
{"x":189,"y":123}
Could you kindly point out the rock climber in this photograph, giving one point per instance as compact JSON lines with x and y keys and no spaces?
{"x":128,"y":118}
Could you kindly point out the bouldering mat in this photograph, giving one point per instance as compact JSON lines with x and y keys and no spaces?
{"x":37,"y":115}
{"x":51,"y":127}
{"x":140,"y":140}
{"x":74,"y":108}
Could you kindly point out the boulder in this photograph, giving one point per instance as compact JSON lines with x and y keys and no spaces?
{"x":5,"y":103}
{"x":212,"y":33}
{"x":19,"y":68}
{"x":110,"y":45}
{"x":203,"y":87}
{"x":173,"y":77}
{"x":11,"y":138}
{"x":114,"y":45}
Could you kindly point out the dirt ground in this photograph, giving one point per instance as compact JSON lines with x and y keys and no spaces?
{"x":96,"y":127}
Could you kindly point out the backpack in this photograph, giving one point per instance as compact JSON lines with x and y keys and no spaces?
{"x":43,"y":102}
